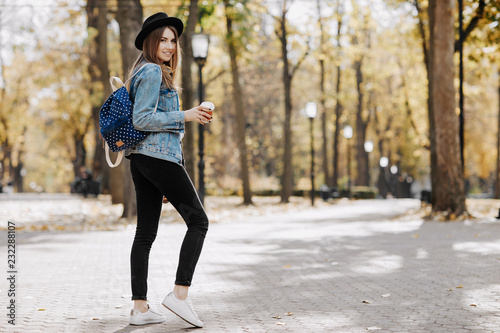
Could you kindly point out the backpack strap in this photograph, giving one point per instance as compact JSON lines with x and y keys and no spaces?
{"x":118,"y":80}
{"x":108,"y":159}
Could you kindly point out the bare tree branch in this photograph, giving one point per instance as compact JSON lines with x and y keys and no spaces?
{"x":421,"y":28}
{"x":301,"y":60}
{"x":472,"y":24}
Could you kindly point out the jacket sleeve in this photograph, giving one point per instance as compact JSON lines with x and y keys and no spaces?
{"x":146,"y":98}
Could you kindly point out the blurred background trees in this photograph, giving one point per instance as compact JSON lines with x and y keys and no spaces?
{"x":367,"y":64}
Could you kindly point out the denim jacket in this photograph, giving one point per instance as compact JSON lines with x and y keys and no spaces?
{"x":165,"y":125}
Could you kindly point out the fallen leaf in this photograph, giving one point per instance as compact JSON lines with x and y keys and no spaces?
{"x":277,"y":317}
{"x":473,"y":305}
{"x":96,"y":318}
{"x":450,"y":289}
{"x":118,"y":307}
{"x":40,"y":309}
{"x":386,"y":295}
{"x":287,"y":266}
{"x":415,"y":236}
{"x":280,"y":323}
{"x":367,"y":302}
{"x":460,"y":286}
{"x":289,"y":314}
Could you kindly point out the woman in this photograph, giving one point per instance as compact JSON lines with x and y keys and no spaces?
{"x":157,"y":166}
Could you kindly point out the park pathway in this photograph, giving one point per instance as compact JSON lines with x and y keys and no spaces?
{"x":355,"y":266}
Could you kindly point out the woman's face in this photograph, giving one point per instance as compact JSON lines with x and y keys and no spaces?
{"x":167,"y":46}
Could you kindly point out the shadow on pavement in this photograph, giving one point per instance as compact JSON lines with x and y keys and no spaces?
{"x":435,"y":275}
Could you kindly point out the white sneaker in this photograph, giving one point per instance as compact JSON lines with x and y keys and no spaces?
{"x":183,"y":309}
{"x":149,"y":317}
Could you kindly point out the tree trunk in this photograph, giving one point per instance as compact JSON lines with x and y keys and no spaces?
{"x":324,"y":147}
{"x":447,"y":188}
{"x":4,"y":139}
{"x":382,"y":177}
{"x":409,"y":112}
{"x":5,"y":148}
{"x":427,"y":61}
{"x":287,"y":180}
{"x":99,"y":76}
{"x":6,"y":162}
{"x":240,"y":116}
{"x":119,"y":181}
{"x":336,"y":134}
{"x":187,"y":94}
{"x":130,"y":20}
{"x":3,"y":159}
{"x":338,"y":105}
{"x":17,"y":176}
{"x":80,"y":154}
{"x":324,"y":119}
{"x":361,"y":155}
{"x":497,"y":182}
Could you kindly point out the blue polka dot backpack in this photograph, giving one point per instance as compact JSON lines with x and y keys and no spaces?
{"x":115,"y":121}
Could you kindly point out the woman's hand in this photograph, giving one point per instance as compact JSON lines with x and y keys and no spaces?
{"x":198,"y":114}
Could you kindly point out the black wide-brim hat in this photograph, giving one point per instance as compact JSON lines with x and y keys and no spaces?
{"x":154,"y":22}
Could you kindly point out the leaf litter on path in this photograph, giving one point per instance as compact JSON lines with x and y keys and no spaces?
{"x":70,"y":212}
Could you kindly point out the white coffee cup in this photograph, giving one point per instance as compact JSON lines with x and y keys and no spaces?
{"x":208,"y":105}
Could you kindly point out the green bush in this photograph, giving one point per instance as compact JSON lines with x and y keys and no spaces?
{"x":358,"y":192}
{"x":364,"y":192}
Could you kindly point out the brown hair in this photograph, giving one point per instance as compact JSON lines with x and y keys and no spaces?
{"x":170,"y":69}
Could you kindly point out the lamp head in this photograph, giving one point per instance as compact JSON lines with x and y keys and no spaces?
{"x":199,"y":44}
{"x":311,"y":110}
{"x":347,"y":132}
{"x":384,"y":161}
{"x":369,"y":146}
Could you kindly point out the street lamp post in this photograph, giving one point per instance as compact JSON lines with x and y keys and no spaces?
{"x":368,"y":149}
{"x":311,"y":111}
{"x":200,"y":44}
{"x":384,"y":162}
{"x":348,"y":135}
{"x":394,"y":180}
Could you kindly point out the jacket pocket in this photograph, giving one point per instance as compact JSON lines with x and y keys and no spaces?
{"x":174,"y":144}
{"x":153,"y":142}
{"x":167,"y":99}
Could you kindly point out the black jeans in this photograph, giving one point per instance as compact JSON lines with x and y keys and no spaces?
{"x":153,"y":179}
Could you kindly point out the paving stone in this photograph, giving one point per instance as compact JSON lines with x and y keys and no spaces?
{"x":313,"y":269}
